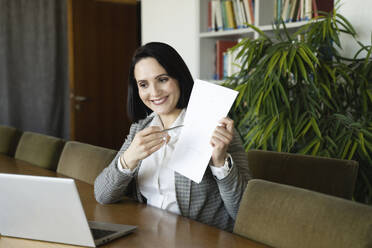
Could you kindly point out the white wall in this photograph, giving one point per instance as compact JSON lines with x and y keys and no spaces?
{"x":359,"y":14}
{"x":175,"y":23}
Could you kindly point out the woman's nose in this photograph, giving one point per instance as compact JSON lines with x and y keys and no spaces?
{"x":155,"y":90}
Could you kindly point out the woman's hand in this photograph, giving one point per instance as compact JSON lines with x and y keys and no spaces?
{"x":145,"y":143}
{"x":220,"y":141}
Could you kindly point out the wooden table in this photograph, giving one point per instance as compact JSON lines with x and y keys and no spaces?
{"x":156,"y":227}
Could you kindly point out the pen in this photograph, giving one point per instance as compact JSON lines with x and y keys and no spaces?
{"x":165,"y":130}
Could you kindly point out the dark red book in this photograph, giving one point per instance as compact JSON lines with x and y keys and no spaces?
{"x":251,"y":10}
{"x":210,"y":28}
{"x":315,"y":9}
{"x":221,"y":47}
{"x":325,"y":5}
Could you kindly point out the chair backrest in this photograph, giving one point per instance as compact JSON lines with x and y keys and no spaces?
{"x":39,"y":149}
{"x":326,"y":175}
{"x":284,"y":216}
{"x":9,"y":138}
{"x":83,"y":161}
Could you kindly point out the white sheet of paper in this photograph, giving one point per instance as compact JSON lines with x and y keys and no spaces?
{"x":208,"y":104}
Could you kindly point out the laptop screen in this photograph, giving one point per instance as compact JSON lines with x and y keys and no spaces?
{"x":43,"y":208}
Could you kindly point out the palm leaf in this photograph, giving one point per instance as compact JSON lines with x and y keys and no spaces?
{"x":346,"y":149}
{"x":353,"y":149}
{"x":316,"y":127}
{"x":302,"y":67}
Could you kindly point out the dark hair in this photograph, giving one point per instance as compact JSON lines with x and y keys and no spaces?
{"x":175,"y":67}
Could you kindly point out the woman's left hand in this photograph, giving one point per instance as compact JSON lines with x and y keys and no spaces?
{"x":220,"y":141}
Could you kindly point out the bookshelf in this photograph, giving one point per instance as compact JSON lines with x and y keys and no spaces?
{"x":263,"y":18}
{"x":187,"y":30}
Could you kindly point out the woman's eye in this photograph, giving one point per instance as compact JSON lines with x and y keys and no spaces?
{"x":163,"y":79}
{"x":142,"y":85}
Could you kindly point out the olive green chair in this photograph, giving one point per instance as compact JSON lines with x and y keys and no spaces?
{"x":83,"y":161}
{"x":9,"y":138}
{"x":39,"y":149}
{"x":326,"y":175}
{"x":283,"y":216}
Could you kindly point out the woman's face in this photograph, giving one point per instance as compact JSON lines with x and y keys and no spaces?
{"x":157,"y":90}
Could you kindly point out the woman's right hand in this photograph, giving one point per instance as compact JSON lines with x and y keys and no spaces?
{"x":145,"y":143}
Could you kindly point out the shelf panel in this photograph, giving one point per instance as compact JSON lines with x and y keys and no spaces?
{"x":243,"y":31}
{"x":226,"y":33}
{"x":288,"y":25}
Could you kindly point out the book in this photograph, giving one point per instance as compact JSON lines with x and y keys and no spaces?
{"x":247,"y":11}
{"x":285,"y":10}
{"x":326,"y":6}
{"x":278,"y":10}
{"x":231,"y":65}
{"x":315,"y":9}
{"x":308,"y":10}
{"x":221,"y":47}
{"x":287,"y":17}
{"x":225,"y":63}
{"x":218,"y":12}
{"x":224,"y":15}
{"x":210,"y":17}
{"x":244,"y":16}
{"x":238,"y":17}
{"x":300,"y":13}
{"x":293,"y":13}
{"x":251,"y":10}
{"x":230,"y":14}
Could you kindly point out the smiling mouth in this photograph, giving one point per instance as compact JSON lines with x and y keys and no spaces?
{"x":159,"y":101}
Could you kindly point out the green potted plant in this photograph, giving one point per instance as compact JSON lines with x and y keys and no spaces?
{"x":299,"y":95}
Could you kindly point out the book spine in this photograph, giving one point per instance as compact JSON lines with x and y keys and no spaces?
{"x":293,"y":15}
{"x":238,"y":21}
{"x":279,"y":10}
{"x":210,"y":16}
{"x":315,"y":9}
{"x":298,"y":18}
{"x":251,"y":10}
{"x":247,"y":11}
{"x":287,"y":17}
{"x":302,"y":15}
{"x":219,"y":20}
{"x":285,"y":10}
{"x":308,"y":9}
{"x":213,"y":14}
{"x":224,"y":15}
{"x":225,"y":65}
{"x":326,"y":6}
{"x":242,"y":11}
{"x":230,"y":14}
{"x":221,"y":47}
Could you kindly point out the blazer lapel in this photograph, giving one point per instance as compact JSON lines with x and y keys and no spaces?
{"x":183,"y":188}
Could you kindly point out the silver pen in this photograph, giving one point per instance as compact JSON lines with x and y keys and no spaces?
{"x":165,"y":130}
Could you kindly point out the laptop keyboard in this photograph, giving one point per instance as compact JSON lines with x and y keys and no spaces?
{"x":99,"y":233}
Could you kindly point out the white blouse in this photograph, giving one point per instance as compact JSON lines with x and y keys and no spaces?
{"x":155,"y":179}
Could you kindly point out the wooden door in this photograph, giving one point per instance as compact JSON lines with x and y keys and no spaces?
{"x":102,"y":39}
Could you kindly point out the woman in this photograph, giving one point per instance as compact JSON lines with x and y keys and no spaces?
{"x":160,"y":85}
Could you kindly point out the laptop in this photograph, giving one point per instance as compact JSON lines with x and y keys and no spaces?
{"x":49,"y":209}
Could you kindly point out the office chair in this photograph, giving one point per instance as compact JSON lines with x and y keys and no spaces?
{"x":39,"y":149}
{"x":326,"y":175}
{"x":284,"y":216}
{"x":83,"y":161}
{"x":9,"y":138}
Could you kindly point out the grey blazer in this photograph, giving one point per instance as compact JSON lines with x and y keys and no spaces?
{"x":212,"y":201}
